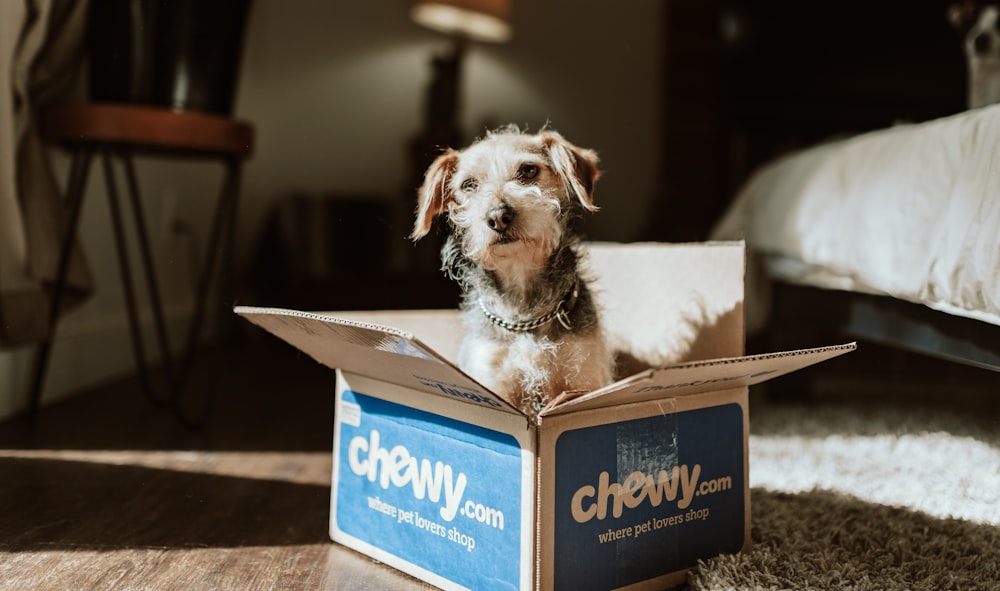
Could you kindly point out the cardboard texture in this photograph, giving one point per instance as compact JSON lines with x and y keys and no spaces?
{"x":626,"y":487}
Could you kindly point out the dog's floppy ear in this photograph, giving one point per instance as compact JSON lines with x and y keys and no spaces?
{"x":577,"y":166}
{"x":434,"y":194}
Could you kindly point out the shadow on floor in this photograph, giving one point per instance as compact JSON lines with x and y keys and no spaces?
{"x":72,"y":505}
{"x":256,"y":393}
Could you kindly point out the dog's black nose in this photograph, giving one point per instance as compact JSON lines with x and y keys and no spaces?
{"x":500,"y":218}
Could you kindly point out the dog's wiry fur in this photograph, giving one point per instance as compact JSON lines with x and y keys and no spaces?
{"x":512,"y":202}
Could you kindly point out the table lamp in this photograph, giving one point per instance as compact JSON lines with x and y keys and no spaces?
{"x":479,"y":20}
{"x":462,"y":21}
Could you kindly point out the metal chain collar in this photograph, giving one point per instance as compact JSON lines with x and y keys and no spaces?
{"x":560,"y":313}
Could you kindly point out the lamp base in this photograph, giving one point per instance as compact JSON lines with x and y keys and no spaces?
{"x":440,"y":131}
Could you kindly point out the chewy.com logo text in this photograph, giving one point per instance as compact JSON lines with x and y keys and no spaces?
{"x":435,"y":481}
{"x":679,"y":484}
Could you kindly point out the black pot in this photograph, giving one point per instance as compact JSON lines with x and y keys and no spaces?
{"x":179,"y":54}
{"x":121,"y":38}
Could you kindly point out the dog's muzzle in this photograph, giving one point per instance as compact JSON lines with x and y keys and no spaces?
{"x":500,"y":218}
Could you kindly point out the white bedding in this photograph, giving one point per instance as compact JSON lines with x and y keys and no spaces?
{"x":912,"y":211}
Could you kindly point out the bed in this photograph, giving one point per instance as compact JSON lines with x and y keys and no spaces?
{"x":891,"y":236}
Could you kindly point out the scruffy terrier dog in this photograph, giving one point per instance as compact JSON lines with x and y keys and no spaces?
{"x":512,"y":200}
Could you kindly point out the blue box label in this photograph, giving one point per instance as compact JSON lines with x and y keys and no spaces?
{"x":643,"y":498}
{"x":439,"y":493}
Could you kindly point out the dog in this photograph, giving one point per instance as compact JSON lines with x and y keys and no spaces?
{"x":513,"y":202}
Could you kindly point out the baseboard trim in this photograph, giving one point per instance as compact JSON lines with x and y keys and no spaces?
{"x":87,"y":353}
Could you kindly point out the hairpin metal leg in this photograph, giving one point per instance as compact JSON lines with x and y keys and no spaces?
{"x":126,"y":273}
{"x":219,"y":246}
{"x":74,"y":199}
{"x":152,"y":286}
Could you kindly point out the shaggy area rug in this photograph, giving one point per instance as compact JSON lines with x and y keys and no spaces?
{"x":863,"y":497}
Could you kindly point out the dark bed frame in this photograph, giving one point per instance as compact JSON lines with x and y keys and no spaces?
{"x":803,"y":314}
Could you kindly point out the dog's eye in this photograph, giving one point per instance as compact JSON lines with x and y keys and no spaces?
{"x":470,"y":185}
{"x":527,"y":172}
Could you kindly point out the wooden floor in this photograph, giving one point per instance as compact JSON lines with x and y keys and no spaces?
{"x":108,"y":491}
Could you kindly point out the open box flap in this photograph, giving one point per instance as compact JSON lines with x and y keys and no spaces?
{"x":696,"y":377}
{"x":664,"y":304}
{"x":371,"y":350}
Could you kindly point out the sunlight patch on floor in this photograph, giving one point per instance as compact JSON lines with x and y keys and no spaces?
{"x":937,"y":473}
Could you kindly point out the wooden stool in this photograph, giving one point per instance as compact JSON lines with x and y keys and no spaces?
{"x":122,"y":131}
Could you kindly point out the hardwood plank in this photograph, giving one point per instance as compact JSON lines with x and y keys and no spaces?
{"x":321,"y":566}
{"x":107,"y":491}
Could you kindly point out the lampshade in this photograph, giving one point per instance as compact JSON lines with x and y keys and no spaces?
{"x":480,"y":20}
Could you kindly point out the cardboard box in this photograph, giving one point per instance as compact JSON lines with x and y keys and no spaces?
{"x":624,"y":487}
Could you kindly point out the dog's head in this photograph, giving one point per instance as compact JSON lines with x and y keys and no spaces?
{"x":510,"y":196}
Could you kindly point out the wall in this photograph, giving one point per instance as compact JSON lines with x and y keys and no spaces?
{"x":335,"y":91}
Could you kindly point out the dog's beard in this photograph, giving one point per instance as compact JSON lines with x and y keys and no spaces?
{"x":515,"y":257}
{"x":520,"y":252}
